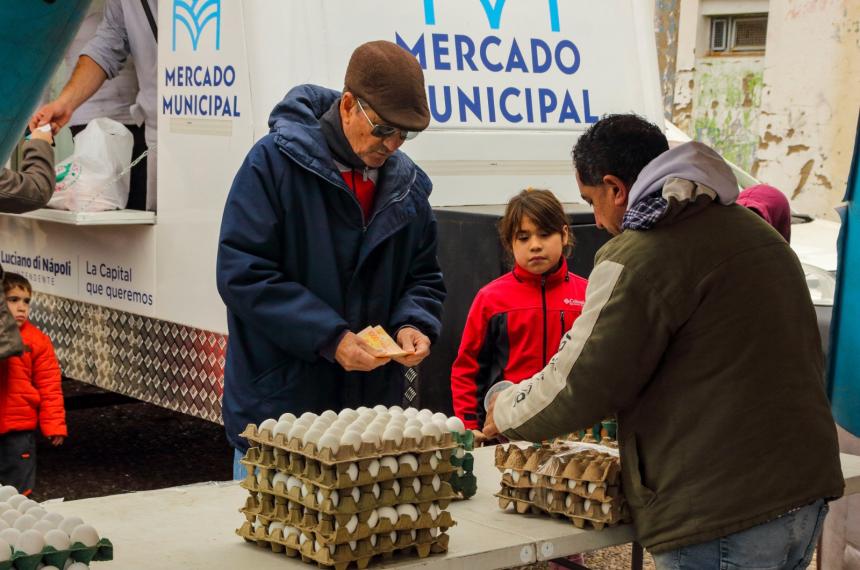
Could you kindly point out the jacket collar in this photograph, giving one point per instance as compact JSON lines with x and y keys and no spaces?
{"x":553,"y":276}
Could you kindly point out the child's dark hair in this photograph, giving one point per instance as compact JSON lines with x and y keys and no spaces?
{"x":620,"y":145}
{"x":543,"y":208}
{"x":12,"y":280}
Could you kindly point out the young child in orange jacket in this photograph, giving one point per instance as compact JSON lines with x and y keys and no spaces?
{"x":31,"y":393}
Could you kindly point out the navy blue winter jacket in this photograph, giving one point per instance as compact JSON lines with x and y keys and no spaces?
{"x":297,"y":266}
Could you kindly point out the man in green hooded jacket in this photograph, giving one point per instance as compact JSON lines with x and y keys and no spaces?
{"x":699,"y":333}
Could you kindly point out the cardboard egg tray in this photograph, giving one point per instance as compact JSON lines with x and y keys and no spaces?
{"x":275,"y":501}
{"x":336,"y":476}
{"x":347,"y":453}
{"x":50,"y":556}
{"x":359,"y":553}
{"x":580,"y":483}
{"x":463,"y":480}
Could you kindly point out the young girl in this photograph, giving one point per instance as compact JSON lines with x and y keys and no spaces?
{"x":516,"y":322}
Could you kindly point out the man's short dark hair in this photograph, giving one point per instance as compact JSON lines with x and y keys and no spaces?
{"x":620,"y":145}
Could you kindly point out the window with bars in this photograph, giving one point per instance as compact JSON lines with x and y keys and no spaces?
{"x":738,"y":34}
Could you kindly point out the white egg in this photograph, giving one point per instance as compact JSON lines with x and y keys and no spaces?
{"x":334,"y":496}
{"x":288,"y":530}
{"x":55,"y":518}
{"x":592,"y":487}
{"x":568,"y":501}
{"x":373,"y":468}
{"x":307,"y":489}
{"x":25,"y":522}
{"x":393,"y":433}
{"x":549,"y":498}
{"x":30,"y":542}
{"x":16,"y":500}
{"x":414,"y":534}
{"x":605,"y":508}
{"x":276,"y":525}
{"x":373,"y":540}
{"x":298,"y":430}
{"x":441,"y":425}
{"x":395,"y":410}
{"x":532,"y":493}
{"x":353,"y":544}
{"x":571,"y":484}
{"x":313,"y":435}
{"x":293,"y":482}
{"x":586,"y":505}
{"x":268,"y":424}
{"x":395,"y":486}
{"x":387,"y":513}
{"x":330,"y":441}
{"x":371,"y":437}
{"x":434,"y":511}
{"x":375,"y":490}
{"x":408,"y":510}
{"x":431,"y":430}
{"x":10,"y":516}
{"x":455,"y":424}
{"x":261,"y":475}
{"x":533,"y":478}
{"x":437,"y":483}
{"x":320,"y":424}
{"x":398,"y":420}
{"x":356,"y":495}
{"x":416,"y":485}
{"x":373,"y":519}
{"x":303,"y":538}
{"x":393,"y":536}
{"x":85,"y":534}
{"x":282,"y":428}
{"x":352,"y":471}
{"x":5,"y":551}
{"x":320,"y":497}
{"x":391,"y":463}
{"x":434,"y":462}
{"x":58,"y":539}
{"x":410,"y":412}
{"x":414,"y":422}
{"x":412,"y":433}
{"x":434,"y":531}
{"x":330,"y":415}
{"x":440,"y":417}
{"x":352,"y":524}
{"x":4,"y":506}
{"x":408,"y":459}
{"x":308,"y":416}
{"x":26,"y":505}
{"x":348,"y":413}
{"x":287,"y":417}
{"x":7,"y":491}
{"x":357,"y":427}
{"x":10,"y":535}
{"x":379,"y":408}
{"x":351,"y":438}
{"x":362,"y":409}
{"x":42,"y":526}
{"x":4,"y":525}
{"x":515,"y":476}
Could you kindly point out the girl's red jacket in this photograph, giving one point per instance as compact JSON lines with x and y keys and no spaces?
{"x":31,"y":393}
{"x":514,"y":327}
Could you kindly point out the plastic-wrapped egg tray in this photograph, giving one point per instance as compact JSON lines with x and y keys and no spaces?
{"x":31,"y":537}
{"x":463,"y":479}
{"x":367,"y":496}
{"x":580,"y":482}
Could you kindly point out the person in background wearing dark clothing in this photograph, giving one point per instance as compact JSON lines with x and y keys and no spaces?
{"x":771,"y":205}
{"x":328,"y":229}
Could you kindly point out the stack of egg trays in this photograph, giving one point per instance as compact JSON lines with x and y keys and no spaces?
{"x":582,"y":485}
{"x":324,"y":518}
{"x":50,"y":556}
{"x":463,"y":480}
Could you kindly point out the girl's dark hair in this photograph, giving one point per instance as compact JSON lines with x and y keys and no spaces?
{"x":12,"y":280}
{"x":543,"y":208}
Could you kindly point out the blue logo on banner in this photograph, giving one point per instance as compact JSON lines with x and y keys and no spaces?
{"x":195,"y":15}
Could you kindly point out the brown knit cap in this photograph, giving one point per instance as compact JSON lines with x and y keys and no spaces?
{"x":391,"y":81}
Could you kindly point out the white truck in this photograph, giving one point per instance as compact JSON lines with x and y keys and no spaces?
{"x":129,"y":297}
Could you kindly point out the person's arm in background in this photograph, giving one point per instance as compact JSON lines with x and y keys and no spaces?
{"x":101,"y":59}
{"x":48,"y":381}
{"x":470,"y":373}
{"x":31,"y":187}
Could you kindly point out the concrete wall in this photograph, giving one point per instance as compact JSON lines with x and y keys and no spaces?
{"x":790,"y":116}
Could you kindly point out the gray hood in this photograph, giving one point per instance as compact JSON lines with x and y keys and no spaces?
{"x":691,"y":161}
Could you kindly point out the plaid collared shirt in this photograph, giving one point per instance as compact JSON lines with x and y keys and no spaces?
{"x":645,"y":213}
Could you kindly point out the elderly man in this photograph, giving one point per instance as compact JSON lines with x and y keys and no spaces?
{"x":328,"y":229}
{"x":699,"y":333}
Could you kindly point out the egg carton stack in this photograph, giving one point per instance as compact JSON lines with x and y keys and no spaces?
{"x":340,"y":489}
{"x":577,"y":481}
{"x":31,"y":537}
{"x":463,"y":480}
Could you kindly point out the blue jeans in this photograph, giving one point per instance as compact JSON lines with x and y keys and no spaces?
{"x":239,"y":471}
{"x":784,"y":543}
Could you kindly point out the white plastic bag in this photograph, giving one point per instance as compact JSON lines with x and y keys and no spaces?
{"x":96,"y":177}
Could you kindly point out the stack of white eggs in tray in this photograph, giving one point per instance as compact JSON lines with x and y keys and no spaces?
{"x":341,"y":488}
{"x":31,"y":537}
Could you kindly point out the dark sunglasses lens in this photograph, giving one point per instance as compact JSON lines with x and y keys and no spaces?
{"x":410,"y":135}
{"x":383,"y":131}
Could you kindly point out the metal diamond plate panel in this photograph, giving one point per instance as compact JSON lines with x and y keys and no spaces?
{"x":173,"y":366}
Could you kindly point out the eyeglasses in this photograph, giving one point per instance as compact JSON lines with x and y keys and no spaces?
{"x":385,"y":131}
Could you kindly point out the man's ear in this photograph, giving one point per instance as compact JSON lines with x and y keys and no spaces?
{"x":347,"y":104}
{"x":620,"y":190}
